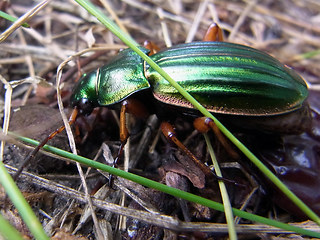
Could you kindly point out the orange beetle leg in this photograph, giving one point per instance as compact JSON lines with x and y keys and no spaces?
{"x":204,"y":124}
{"x":170,"y":134}
{"x":151,"y":46}
{"x":214,"y":33}
{"x":135,"y":108}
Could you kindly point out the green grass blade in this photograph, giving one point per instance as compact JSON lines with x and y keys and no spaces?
{"x":224,"y":192}
{"x":307,"y":55}
{"x":8,"y":231}
{"x":166,"y":189}
{"x":133,"y":45}
{"x":11,"y":19}
{"x":106,"y":21}
{"x":21,"y":204}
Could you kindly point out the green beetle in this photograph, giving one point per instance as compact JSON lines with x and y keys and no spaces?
{"x":234,"y":81}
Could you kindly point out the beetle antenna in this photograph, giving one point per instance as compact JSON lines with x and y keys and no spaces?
{"x":42,"y":143}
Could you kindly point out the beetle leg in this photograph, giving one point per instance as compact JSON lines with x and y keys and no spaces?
{"x":135,"y":108}
{"x":213,"y":34}
{"x":204,"y":124}
{"x":42,"y":143}
{"x":170,"y":134}
{"x":124,"y":133}
{"x":151,"y":46}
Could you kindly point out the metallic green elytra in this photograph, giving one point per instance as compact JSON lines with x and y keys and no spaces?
{"x":226,"y":78}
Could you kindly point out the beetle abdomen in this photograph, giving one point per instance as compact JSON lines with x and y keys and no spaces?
{"x":228,"y":78}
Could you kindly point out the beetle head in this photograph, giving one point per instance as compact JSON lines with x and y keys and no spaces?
{"x":84,"y":95}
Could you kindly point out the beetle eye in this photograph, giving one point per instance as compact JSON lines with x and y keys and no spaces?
{"x":85,"y":106}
